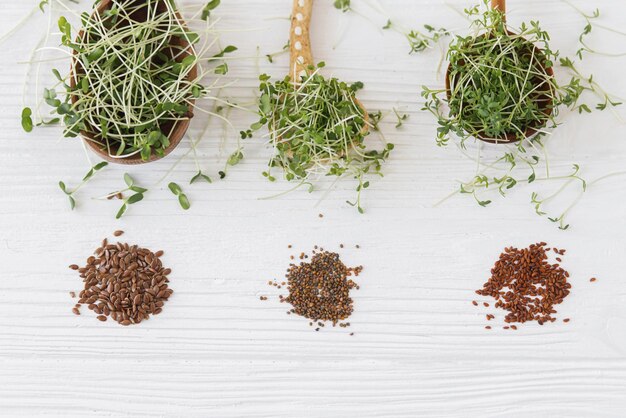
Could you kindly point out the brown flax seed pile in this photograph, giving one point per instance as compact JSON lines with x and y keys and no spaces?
{"x":124,"y":282}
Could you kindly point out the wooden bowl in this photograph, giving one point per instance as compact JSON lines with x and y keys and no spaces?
{"x":511,"y":137}
{"x":174,"y":130}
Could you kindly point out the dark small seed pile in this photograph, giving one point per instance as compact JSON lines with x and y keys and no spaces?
{"x":526,"y":285}
{"x":124,"y":282}
{"x":320,"y":289}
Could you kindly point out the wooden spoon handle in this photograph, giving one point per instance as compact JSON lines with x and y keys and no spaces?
{"x":499,"y":5}
{"x":299,"y":39}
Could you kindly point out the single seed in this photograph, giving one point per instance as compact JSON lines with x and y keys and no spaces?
{"x":118,"y":233}
{"x":593,"y":279}
{"x":76,"y":311}
{"x":74,"y":267}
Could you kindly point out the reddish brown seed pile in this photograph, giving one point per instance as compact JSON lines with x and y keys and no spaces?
{"x":320,"y":289}
{"x":124,"y":282}
{"x":526,"y":285}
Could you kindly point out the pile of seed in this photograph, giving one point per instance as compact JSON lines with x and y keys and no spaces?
{"x":320,"y":289}
{"x":527,"y":285}
{"x":124,"y":282}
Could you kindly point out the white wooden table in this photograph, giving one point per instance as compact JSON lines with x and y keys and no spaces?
{"x":420,"y":348}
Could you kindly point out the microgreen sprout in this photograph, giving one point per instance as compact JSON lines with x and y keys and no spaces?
{"x":137,"y":196}
{"x":182,"y":197}
{"x":502,"y":89}
{"x":200,"y":176}
{"x":343,"y":5}
{"x":285,"y":50}
{"x":418,"y":40}
{"x":208,"y":8}
{"x":317,"y":128}
{"x":400,"y":117}
{"x":589,"y":17}
{"x":70,"y":192}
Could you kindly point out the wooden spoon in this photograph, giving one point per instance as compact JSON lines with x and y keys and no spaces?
{"x":509,"y":138}
{"x":301,"y":57}
{"x":501,"y":6}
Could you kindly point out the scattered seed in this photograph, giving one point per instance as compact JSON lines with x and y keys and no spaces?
{"x":319,"y":290}
{"x":566,"y":320}
{"x":526,"y":285}
{"x":118,"y":233}
{"x":593,"y":279}
{"x":76,"y":311}
{"x":72,"y":294}
{"x":74,"y":267}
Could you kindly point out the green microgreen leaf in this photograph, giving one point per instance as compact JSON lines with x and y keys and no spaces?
{"x":200,"y":176}
{"x":343,"y":5}
{"x":208,"y":8}
{"x":182,"y":198}
{"x":27,"y":121}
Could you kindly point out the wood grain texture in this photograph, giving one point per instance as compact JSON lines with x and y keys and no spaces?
{"x":420,"y":347}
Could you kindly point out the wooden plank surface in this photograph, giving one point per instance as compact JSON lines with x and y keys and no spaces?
{"x":420,"y":347}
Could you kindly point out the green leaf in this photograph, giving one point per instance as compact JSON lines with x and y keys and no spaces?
{"x":57,"y":75}
{"x":199,"y":177}
{"x":235,"y":158}
{"x":137,"y":197}
{"x":210,"y":6}
{"x":184,"y":202}
{"x":221,"y":69}
{"x":72,"y":202}
{"x":62,"y":187}
{"x":174,"y":188}
{"x":84,"y":84}
{"x":27,"y":121}
{"x":121,"y":211}
{"x":343,"y":5}
{"x":129,"y":180}
{"x":137,"y":189}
